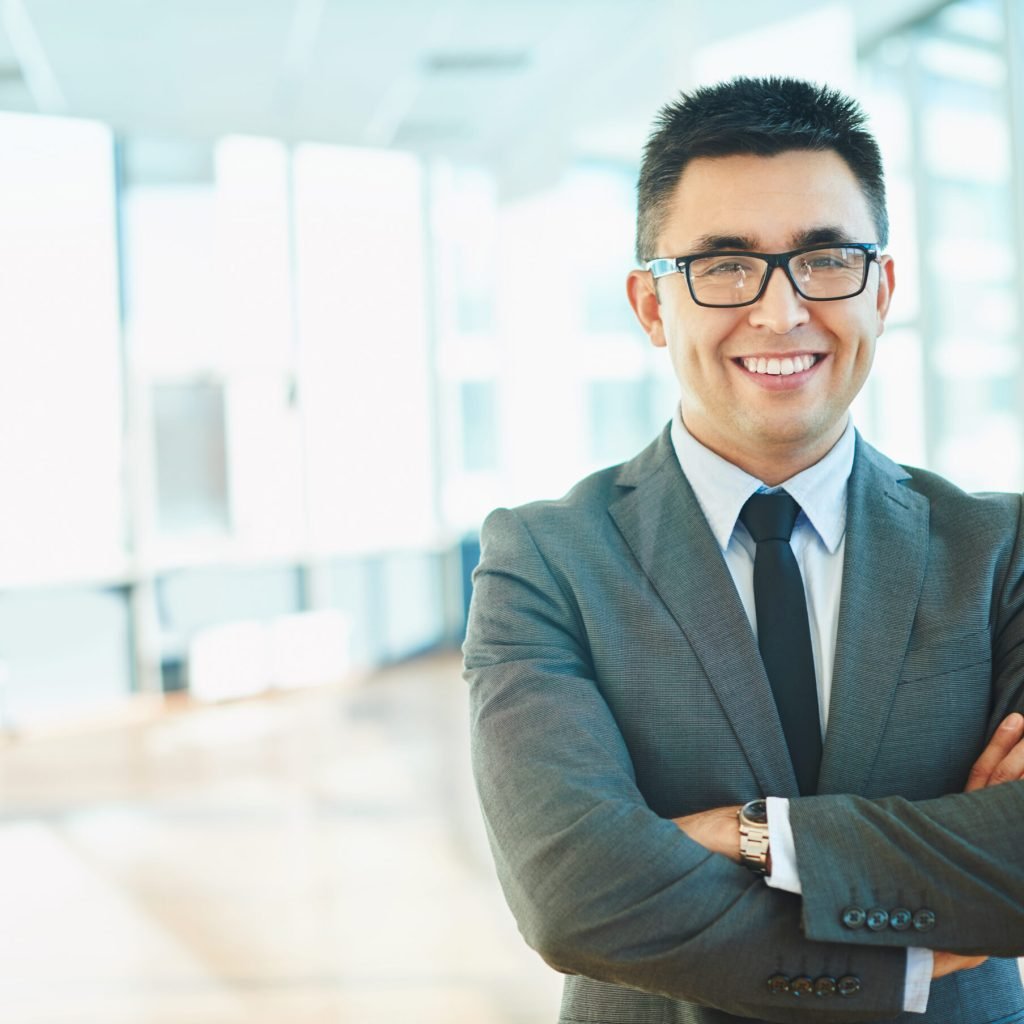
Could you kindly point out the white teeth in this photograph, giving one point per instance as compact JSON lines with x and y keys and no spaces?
{"x":779,"y":367}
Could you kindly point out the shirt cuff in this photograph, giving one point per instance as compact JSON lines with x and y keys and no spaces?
{"x":918,"y":983}
{"x":782,"y":847}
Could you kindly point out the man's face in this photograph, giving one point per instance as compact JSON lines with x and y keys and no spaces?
{"x":767,"y":423}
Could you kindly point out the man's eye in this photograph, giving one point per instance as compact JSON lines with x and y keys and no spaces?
{"x":724,"y":268}
{"x":831,"y":259}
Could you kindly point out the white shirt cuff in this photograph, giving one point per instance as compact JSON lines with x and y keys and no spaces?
{"x":920,"y":963}
{"x":783,"y":849}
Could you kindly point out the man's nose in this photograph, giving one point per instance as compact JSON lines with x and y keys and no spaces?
{"x":781,"y":307}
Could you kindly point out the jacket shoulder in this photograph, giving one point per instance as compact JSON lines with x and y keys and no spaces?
{"x":944,"y":496}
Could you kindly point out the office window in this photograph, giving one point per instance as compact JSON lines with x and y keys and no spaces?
{"x":623,"y":418}
{"x":61,"y":403}
{"x":253,"y":251}
{"x":602,"y":253}
{"x":364,"y":372}
{"x":172,"y":299}
{"x":191,"y":473}
{"x":572,"y":345}
{"x":412,"y":584}
{"x":63,"y":653}
{"x":478,"y":400}
{"x":464,"y":224}
{"x":262,"y":401}
{"x":948,"y":77}
{"x":222,"y":412}
{"x":192,"y":599}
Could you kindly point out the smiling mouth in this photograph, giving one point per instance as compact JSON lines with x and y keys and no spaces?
{"x":776,"y":366}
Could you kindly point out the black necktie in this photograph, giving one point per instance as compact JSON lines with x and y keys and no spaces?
{"x":783,"y":634}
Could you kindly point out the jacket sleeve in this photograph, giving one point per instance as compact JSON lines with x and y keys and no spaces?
{"x":600,"y":885}
{"x":956,"y":862}
{"x":950,"y":871}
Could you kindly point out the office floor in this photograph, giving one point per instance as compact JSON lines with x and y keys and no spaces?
{"x":307,"y":858}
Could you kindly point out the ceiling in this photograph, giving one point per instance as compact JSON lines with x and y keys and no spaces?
{"x":514,"y":84}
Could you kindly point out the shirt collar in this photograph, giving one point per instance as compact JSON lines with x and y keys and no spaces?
{"x":722,"y":488}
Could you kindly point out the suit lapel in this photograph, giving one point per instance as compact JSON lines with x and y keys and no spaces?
{"x":883,"y":573}
{"x":662,"y":523}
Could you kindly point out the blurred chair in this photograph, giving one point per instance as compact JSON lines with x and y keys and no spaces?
{"x":246,"y":658}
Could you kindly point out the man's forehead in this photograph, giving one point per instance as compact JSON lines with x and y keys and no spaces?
{"x":753,"y":202}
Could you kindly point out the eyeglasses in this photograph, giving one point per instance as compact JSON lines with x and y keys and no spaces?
{"x":820,"y":273}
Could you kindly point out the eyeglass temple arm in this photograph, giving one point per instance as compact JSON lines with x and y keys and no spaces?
{"x":663,"y":267}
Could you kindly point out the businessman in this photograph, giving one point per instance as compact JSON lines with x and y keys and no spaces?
{"x":745,"y":707}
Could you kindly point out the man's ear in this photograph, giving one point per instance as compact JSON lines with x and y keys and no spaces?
{"x":643,"y":297}
{"x":886,"y":286}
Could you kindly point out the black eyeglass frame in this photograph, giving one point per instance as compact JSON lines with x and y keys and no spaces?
{"x":664,"y":266}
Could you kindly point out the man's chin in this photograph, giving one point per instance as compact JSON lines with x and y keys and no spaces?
{"x":797,"y":435}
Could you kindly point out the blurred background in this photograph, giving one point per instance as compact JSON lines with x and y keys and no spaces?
{"x":292,"y":293}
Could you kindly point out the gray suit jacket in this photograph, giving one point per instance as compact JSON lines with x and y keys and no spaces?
{"x":616,"y":683}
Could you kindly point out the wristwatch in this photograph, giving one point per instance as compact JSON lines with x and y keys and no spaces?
{"x":754,"y":851}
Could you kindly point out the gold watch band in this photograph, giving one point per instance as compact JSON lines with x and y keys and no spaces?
{"x":755,"y":849}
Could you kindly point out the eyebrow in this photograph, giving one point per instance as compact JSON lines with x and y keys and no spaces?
{"x":823,"y":235}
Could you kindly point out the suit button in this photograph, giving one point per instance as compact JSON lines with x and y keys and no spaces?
{"x":853,"y":917}
{"x":924,"y":920}
{"x":802,"y":986}
{"x":877,"y":919}
{"x":778,"y":984}
{"x":900,"y":919}
{"x":848,"y":985}
{"x":825,"y":986}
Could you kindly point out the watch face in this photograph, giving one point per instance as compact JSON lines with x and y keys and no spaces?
{"x":756,"y":812}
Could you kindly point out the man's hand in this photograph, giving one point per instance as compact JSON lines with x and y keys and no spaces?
{"x":1001,"y":761}
{"x":718,"y":830}
{"x":947,"y":963}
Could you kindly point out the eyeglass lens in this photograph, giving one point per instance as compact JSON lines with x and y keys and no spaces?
{"x":833,"y":272}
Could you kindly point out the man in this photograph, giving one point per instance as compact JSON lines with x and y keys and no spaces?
{"x":647,"y":658}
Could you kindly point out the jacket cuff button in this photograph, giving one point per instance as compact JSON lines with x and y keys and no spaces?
{"x":900,"y":919}
{"x":853,"y":917}
{"x":877,"y":919}
{"x":778,"y":984}
{"x":825,"y":987}
{"x":848,"y":986}
{"x":802,"y":986}
{"x":924,"y":920}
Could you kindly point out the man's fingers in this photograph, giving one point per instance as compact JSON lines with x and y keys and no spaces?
{"x":948,"y":963}
{"x":717,"y":830}
{"x":1003,"y":759}
{"x":1011,"y":768}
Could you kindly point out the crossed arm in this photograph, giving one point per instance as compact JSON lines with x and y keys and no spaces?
{"x":1002,"y":761}
{"x":604,"y":886}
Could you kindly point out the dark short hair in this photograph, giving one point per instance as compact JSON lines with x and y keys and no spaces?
{"x":761,"y":117}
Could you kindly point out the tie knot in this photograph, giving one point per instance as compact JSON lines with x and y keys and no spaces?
{"x":770,"y":516}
